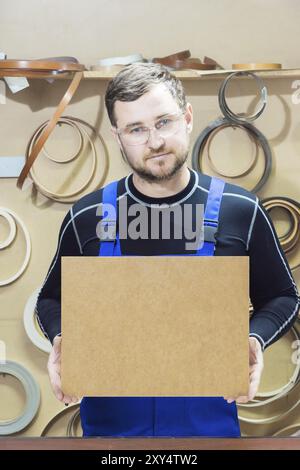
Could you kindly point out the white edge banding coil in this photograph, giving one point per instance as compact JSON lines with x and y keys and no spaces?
{"x":30,"y":324}
{"x":8,"y":215}
{"x":32,"y":392}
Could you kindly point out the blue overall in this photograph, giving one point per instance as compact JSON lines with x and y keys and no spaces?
{"x":162,"y":416}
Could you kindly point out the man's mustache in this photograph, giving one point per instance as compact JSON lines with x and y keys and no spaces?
{"x":157,"y":153}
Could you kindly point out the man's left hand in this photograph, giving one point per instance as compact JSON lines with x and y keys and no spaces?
{"x":256,"y":365}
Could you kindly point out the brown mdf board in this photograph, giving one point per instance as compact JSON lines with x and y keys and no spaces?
{"x":155,"y":326}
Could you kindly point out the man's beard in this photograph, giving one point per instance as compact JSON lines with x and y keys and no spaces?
{"x":147,"y":174}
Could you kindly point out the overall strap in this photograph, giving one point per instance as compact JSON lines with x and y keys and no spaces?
{"x":211,"y":217}
{"x":110,"y":247}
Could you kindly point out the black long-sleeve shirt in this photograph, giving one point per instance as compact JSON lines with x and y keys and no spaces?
{"x":245,"y":229}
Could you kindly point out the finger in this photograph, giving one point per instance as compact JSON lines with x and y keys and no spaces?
{"x":230,"y":400}
{"x":254,"y":384}
{"x":57,"y":391}
{"x":228,"y":397}
{"x":54,"y":359}
{"x":56,"y":356}
{"x":55,"y":381}
{"x":242,"y":399}
{"x":255,"y":377}
{"x":67,"y":400}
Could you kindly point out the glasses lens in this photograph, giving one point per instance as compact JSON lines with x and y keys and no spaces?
{"x":163,"y":128}
{"x":167,"y":126}
{"x":135,"y":136}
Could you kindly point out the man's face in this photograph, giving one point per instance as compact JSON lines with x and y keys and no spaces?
{"x":160,"y":158}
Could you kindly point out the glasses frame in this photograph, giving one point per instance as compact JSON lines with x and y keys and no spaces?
{"x":150,"y":128}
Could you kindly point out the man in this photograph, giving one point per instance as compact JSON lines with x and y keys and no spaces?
{"x":151,"y":121}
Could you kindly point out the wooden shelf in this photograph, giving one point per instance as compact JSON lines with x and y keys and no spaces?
{"x":205,"y":75}
{"x":182,"y":74}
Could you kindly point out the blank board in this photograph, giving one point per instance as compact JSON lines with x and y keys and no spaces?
{"x":155,"y":326}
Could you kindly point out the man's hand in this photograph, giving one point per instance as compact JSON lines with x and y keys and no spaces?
{"x":54,"y":372}
{"x":256,"y":365}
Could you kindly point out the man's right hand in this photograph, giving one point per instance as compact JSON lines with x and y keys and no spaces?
{"x":54,"y":362}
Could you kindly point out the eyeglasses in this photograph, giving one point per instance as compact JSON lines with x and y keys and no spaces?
{"x":139,"y":135}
